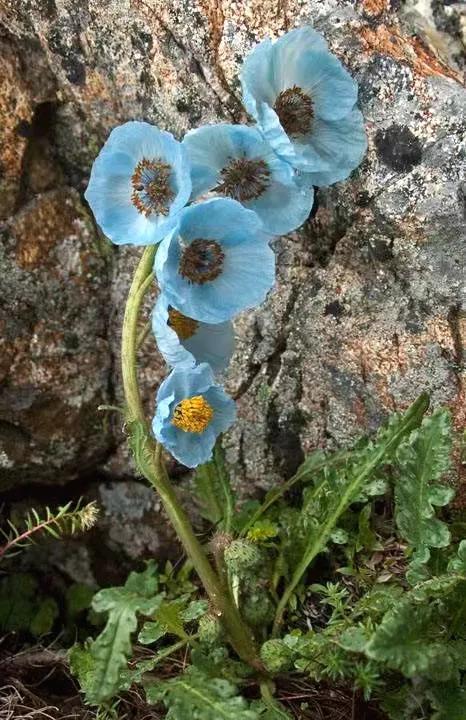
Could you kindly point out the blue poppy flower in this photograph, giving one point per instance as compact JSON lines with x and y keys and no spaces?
{"x":191,"y":413}
{"x":236,"y":161}
{"x":185,"y":342}
{"x":139,"y":183}
{"x":304,"y":103}
{"x":216,"y":262}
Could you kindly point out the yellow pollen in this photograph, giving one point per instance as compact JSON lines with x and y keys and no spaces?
{"x":193,"y":414}
{"x":185,"y":327}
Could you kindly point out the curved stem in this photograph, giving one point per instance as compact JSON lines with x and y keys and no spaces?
{"x":141,"y":281}
{"x":151,"y":464}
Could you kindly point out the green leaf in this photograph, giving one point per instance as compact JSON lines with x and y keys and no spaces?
{"x":270,"y":710}
{"x":422,"y":461}
{"x":151,"y":632}
{"x":43,"y":620}
{"x":170,"y":617}
{"x":214,"y":491}
{"x":196,"y":696}
{"x":78,"y":598}
{"x":449,"y":701}
{"x":337,"y":487}
{"x":112,"y":648}
{"x":82,"y":666}
{"x":406,"y":641}
{"x":354,"y":639}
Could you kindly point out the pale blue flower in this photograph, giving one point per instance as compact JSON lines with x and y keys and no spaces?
{"x":304,"y":103}
{"x":236,"y":161}
{"x":139,"y":183}
{"x":185,"y":342}
{"x":215,"y":262}
{"x":191,"y":413}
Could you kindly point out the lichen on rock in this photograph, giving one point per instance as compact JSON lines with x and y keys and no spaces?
{"x":367,"y":307}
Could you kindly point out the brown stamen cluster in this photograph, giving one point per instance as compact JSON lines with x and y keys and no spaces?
{"x":294,"y":110}
{"x":151,"y":187}
{"x":244,"y":179}
{"x":184,"y":326}
{"x":201,"y":261}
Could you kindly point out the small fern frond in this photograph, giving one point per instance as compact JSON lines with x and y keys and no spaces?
{"x":66,"y":520}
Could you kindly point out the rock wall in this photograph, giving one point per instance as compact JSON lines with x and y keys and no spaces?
{"x":367,"y":307}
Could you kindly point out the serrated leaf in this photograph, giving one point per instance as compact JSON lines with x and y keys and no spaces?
{"x":111,"y":649}
{"x":405,"y":641}
{"x":422,"y":462}
{"x":196,"y":696}
{"x":338,"y":487}
{"x":213,"y":489}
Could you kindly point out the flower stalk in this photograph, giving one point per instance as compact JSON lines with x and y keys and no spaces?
{"x":152,"y":466}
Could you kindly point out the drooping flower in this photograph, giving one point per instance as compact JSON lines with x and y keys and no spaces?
{"x":185,"y":342}
{"x":237,"y":162}
{"x":215,"y":262}
{"x":191,"y":412}
{"x":304,"y":103}
{"x":139,"y":183}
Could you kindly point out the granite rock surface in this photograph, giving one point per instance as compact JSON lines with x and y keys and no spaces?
{"x":367,"y":309}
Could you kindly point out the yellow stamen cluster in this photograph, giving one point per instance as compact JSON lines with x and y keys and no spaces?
{"x":193,"y":414}
{"x":185,"y":327}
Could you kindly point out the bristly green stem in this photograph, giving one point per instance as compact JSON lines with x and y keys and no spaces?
{"x":154,"y":470}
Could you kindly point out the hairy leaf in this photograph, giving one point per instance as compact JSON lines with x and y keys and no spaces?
{"x":336,"y":488}
{"x":214,"y":490}
{"x":196,"y":696}
{"x":422,"y":462}
{"x":112,"y":648}
{"x":407,"y":640}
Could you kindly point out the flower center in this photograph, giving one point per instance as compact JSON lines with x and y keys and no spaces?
{"x":193,"y":414}
{"x":151,"y":187}
{"x":294,"y":110}
{"x":201,"y":261}
{"x":185,"y":327}
{"x":244,"y":179}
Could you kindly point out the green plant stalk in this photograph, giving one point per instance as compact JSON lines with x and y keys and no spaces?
{"x":154,"y":470}
{"x":321,"y":540}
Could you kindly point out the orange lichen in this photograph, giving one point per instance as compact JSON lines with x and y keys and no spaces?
{"x":374,"y":7}
{"x":15,"y":108}
{"x":40,"y":227}
{"x":389,"y":40}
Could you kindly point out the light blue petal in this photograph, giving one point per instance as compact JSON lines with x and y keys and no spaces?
{"x":224,"y":409}
{"x":248,"y":267}
{"x":209,"y":148}
{"x":298,"y":58}
{"x":110,"y":189}
{"x":257,"y":77}
{"x":287,"y":53}
{"x":191,"y":449}
{"x":168,"y":342}
{"x":283,"y":208}
{"x":331,"y":88}
{"x":212,"y":344}
{"x":341,"y":146}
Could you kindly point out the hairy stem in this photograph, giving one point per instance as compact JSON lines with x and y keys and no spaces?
{"x":153,"y":467}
